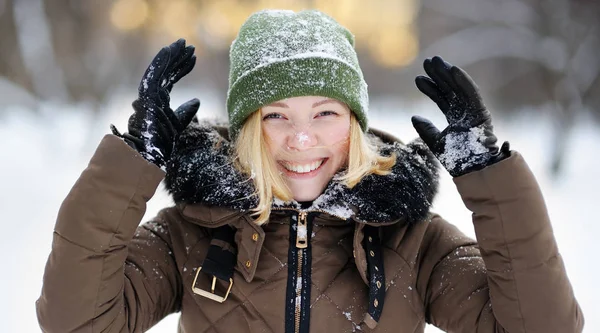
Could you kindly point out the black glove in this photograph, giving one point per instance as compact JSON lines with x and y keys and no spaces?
{"x":468,"y":143}
{"x":154,"y":127}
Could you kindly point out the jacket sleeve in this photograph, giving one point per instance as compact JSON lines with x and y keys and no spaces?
{"x":513,"y":280}
{"x":98,"y":279}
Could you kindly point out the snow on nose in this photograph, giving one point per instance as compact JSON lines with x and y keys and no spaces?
{"x":302,"y":138}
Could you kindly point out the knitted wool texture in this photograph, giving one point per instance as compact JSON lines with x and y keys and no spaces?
{"x":280,"y":54}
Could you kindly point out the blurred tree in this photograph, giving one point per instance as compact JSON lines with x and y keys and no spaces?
{"x":12,"y":66}
{"x":83,"y":50}
{"x":96,"y":58}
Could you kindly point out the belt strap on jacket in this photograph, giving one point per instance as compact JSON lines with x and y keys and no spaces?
{"x":376,"y":275}
{"x":219,"y":262}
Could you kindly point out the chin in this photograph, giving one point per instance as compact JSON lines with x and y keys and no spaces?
{"x":307,"y":189}
{"x":300,"y":193}
{"x":307,"y":197}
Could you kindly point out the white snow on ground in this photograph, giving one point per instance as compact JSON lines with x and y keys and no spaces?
{"x":42,"y":156}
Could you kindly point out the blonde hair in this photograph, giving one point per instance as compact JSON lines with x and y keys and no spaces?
{"x":253,"y":159}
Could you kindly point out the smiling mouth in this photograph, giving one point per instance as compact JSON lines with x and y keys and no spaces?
{"x":302,"y":168}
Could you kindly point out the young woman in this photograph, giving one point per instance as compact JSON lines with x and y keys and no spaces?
{"x":296,"y":217}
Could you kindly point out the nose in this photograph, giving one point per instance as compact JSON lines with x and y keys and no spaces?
{"x":301,"y":139}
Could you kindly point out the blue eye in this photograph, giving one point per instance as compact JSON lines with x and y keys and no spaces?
{"x":273,"y":116}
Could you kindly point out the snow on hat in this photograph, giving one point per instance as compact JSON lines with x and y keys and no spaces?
{"x":280,"y":54}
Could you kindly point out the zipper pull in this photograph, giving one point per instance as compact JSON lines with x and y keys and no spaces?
{"x":302,"y":231}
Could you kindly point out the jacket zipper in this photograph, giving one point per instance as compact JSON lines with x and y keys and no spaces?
{"x":299,"y":288}
{"x":301,"y":232}
{"x":301,"y":244}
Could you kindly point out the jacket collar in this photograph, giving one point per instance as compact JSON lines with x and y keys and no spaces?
{"x":200,"y":173}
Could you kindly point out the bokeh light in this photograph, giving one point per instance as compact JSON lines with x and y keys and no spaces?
{"x":129,"y":14}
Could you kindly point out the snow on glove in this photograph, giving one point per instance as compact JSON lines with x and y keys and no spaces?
{"x":154,"y":126}
{"x":468,"y":143}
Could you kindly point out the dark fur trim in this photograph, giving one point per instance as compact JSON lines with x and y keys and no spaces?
{"x":201,"y":171}
{"x":407,"y":192}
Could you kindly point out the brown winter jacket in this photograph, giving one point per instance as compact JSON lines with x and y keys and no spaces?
{"x":106,"y":274}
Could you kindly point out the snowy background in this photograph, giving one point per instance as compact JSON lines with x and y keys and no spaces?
{"x":42,"y":156}
{"x":70,"y":68}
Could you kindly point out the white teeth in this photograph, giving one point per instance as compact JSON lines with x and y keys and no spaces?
{"x":303,"y":168}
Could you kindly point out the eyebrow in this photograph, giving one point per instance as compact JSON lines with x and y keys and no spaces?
{"x":279,"y":104}
{"x":325,"y":101}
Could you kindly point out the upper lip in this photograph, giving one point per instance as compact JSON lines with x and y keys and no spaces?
{"x":303,"y":161}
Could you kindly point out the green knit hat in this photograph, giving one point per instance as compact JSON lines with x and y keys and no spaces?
{"x":280,"y":54}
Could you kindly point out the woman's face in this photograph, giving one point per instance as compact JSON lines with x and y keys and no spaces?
{"x":308,"y":138}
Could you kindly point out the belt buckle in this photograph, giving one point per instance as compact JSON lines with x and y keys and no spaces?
{"x":211,"y":294}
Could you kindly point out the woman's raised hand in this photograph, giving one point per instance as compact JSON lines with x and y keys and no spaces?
{"x":154,"y":126}
{"x":468,"y":142}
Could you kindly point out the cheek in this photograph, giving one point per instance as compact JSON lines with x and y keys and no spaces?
{"x":337,"y":135}
{"x":271,"y":137}
{"x":275,"y":130}
{"x":340,"y":154}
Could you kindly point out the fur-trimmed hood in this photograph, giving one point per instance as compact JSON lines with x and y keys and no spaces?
{"x":201,"y":171}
